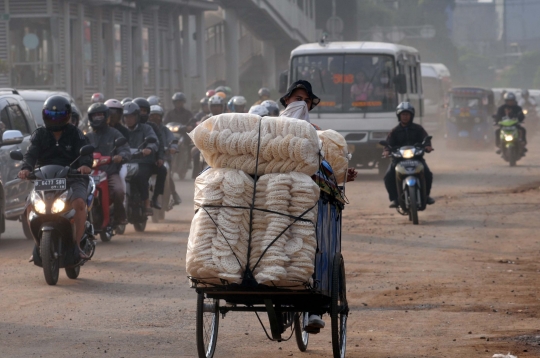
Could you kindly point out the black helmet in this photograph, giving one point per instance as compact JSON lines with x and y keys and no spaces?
{"x":264,"y":92}
{"x":204,"y":102}
{"x":126,"y":100}
{"x":142,"y":103}
{"x":405,"y":107}
{"x":509,"y":96}
{"x":56,"y":113}
{"x":98,"y":115}
{"x":179,"y":96}
{"x":75,"y":116}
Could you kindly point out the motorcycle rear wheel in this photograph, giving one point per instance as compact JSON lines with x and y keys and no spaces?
{"x":140,"y":227}
{"x":413,"y":209}
{"x":120,"y":229}
{"x":73,"y":273}
{"x":51,"y":265}
{"x":105,"y":235}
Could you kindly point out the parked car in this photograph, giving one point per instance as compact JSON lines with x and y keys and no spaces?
{"x":16,"y":125}
{"x":36,"y":98}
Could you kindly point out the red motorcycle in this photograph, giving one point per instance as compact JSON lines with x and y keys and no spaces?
{"x":101,"y":213}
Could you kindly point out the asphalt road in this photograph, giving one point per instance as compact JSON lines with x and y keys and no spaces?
{"x":461,"y":284}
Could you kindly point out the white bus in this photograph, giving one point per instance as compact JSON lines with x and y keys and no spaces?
{"x":360,"y":85}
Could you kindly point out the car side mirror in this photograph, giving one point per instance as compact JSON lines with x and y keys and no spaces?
{"x":400,"y":81}
{"x":283,"y":81}
{"x":16,"y":155}
{"x":120,"y":142}
{"x":12,"y":137}
{"x":86,"y":150}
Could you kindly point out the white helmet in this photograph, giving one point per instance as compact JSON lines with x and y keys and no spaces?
{"x":155,"y":109}
{"x":216,"y":100}
{"x":259,"y":110}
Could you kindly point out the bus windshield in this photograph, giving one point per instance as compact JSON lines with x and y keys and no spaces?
{"x":349,"y":83}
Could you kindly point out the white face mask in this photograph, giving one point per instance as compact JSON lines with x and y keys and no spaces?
{"x":298,"y":110}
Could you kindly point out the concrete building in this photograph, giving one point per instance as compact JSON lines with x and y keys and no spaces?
{"x":121,"y":48}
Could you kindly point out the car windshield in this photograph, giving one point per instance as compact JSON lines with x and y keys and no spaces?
{"x":36,"y":107}
{"x":349,"y":83}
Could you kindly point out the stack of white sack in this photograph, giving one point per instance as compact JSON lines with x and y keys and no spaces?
{"x":335,"y":152}
{"x":284,"y":145}
{"x":212,"y":241}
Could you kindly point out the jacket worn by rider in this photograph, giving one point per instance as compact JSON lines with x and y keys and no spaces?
{"x":182,"y":116}
{"x":137,"y":136}
{"x":44,"y":149}
{"x":103,"y":140}
{"x":515,"y":112}
{"x":410,"y":134}
{"x":161,"y":140}
{"x":122,"y":129}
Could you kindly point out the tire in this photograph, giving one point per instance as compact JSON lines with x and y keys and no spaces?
{"x":140,"y":227}
{"x":73,"y":272}
{"x":51,"y":265}
{"x":26,"y":228}
{"x":120,"y":229}
{"x":207,"y":325}
{"x":512,"y":157}
{"x":105,"y":235}
{"x":302,"y":337}
{"x":184,"y":157}
{"x":413,"y":209}
{"x":339,"y":309}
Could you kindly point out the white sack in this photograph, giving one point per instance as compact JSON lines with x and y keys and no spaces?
{"x":335,"y":152}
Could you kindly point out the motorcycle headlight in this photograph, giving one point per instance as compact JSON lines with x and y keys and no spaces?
{"x":175,"y":129}
{"x":59,"y":204}
{"x":508,"y":137}
{"x":525,"y":111}
{"x":38,"y":203}
{"x":407,"y":153}
{"x":477,"y":120}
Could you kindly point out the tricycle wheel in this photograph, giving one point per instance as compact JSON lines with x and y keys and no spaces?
{"x":302,"y":337}
{"x":207,"y":325}
{"x":339,"y":309}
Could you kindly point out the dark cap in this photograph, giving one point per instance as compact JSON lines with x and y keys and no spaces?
{"x":304,"y":85}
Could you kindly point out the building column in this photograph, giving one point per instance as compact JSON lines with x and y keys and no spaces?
{"x":186,"y":71}
{"x":129,"y":60}
{"x":67,"y":47}
{"x":99,"y":35}
{"x":110,"y":82}
{"x":270,"y":68}
{"x":77,"y":58}
{"x":158,"y":51}
{"x":137,"y":55}
{"x":232,"y":49}
{"x":175,"y":60}
{"x":201,"y":50}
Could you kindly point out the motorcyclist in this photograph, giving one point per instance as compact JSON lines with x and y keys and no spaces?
{"x":237,"y":104}
{"x":156,"y":116}
{"x":159,"y":169}
{"x":75,"y":117}
{"x":264,"y":94}
{"x":259,"y":110}
{"x":154,"y":100}
{"x":59,"y":143}
{"x":272,"y":106}
{"x":526,"y":99}
{"x":102,"y":138}
{"x":138,"y":132}
{"x":510,"y":109}
{"x":404,"y":134}
{"x":203,"y":112}
{"x":179,"y":114}
{"x":126,"y":100}
{"x":115,"y":116}
{"x":97,"y":98}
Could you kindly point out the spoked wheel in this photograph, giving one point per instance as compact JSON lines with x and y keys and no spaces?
{"x":140,"y":227}
{"x":302,"y":337}
{"x":339,"y":309}
{"x":73,"y":273}
{"x":207,"y":325}
{"x":51,"y":264}
{"x":413,"y":210}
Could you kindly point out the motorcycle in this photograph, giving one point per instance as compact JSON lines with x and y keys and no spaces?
{"x":102,"y":211}
{"x":181,"y":162}
{"x":410,"y":180}
{"x":529,"y":110}
{"x":136,"y":211}
{"x":167,"y":201}
{"x":512,"y":146}
{"x":51,"y":219}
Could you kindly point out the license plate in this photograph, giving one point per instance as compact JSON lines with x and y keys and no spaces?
{"x":97,"y":179}
{"x":463,"y":134}
{"x":50,"y":184}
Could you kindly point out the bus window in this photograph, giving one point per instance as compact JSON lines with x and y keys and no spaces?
{"x":349,"y":83}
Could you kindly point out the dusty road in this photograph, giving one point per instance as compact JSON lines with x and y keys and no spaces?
{"x":462,"y":284}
